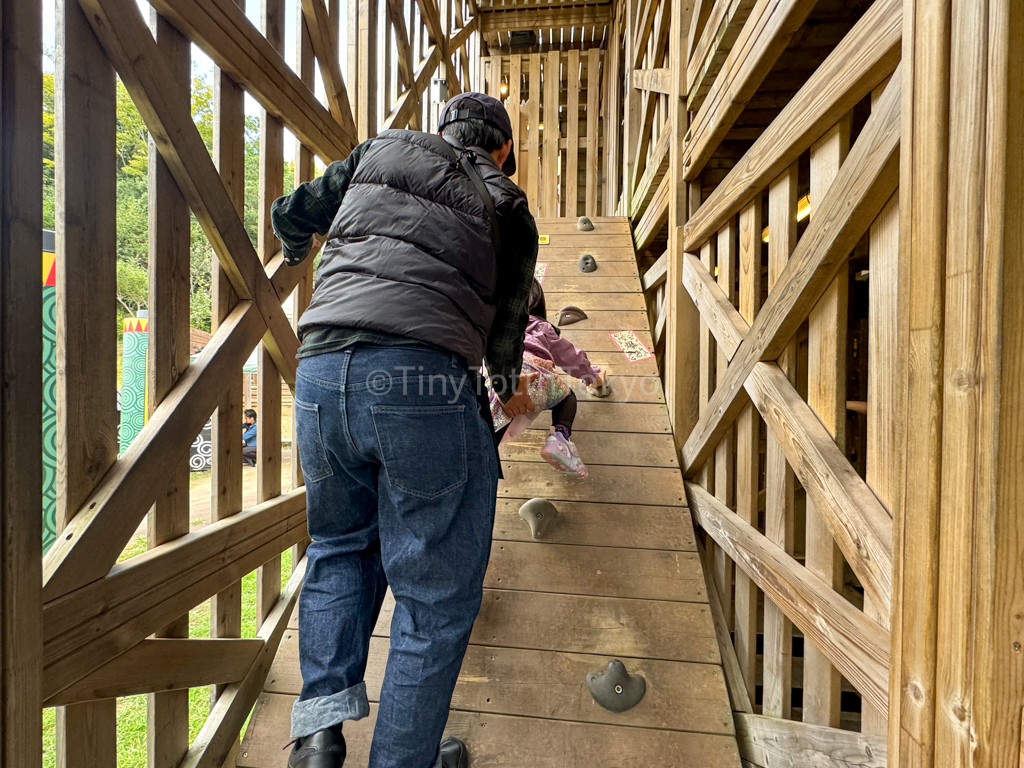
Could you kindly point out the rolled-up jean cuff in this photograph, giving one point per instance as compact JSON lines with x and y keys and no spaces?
{"x":314,"y":715}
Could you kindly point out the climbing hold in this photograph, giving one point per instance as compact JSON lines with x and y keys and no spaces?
{"x":538,"y":513}
{"x":569,"y":314}
{"x":584,"y":224}
{"x":587,"y":263}
{"x":615,"y":689}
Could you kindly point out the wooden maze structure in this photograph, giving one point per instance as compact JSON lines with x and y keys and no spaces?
{"x":824,"y":201}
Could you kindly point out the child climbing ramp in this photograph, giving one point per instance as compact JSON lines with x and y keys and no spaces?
{"x":594,"y":647}
{"x":543,"y":349}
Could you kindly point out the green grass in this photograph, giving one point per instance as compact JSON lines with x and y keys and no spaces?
{"x":131,"y":710}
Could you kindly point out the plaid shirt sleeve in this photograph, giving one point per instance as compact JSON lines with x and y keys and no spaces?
{"x":516,"y":267}
{"x":312,"y":206}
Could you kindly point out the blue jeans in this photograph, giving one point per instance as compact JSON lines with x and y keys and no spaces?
{"x":401,"y":479}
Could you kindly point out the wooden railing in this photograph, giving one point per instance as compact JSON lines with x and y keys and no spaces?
{"x":103,"y":628}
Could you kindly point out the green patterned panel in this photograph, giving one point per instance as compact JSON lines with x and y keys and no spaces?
{"x":49,"y":415}
{"x":133,"y":380}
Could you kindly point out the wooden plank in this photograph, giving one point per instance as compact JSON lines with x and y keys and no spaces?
{"x":688,"y":697}
{"x":593,"y":123}
{"x":738,"y":696}
{"x":494,"y":740}
{"x":230,"y":712}
{"x":570,"y":181}
{"x":226,"y":472}
{"x":826,"y":395}
{"x":86,"y":428}
{"x":513,"y":105}
{"x":621,"y":485}
{"x":612,"y":320}
{"x":865,"y":56}
{"x":167,"y":358}
{"x":779,"y":481}
{"x":323,"y":36}
{"x":221,"y":29}
{"x":654,"y":218}
{"x":720,"y":32}
{"x":164,"y":665}
{"x":764,"y":37}
{"x":861,"y":189}
{"x":623,"y":449}
{"x":569,"y":251}
{"x":724,"y":458}
{"x":767,"y":741}
{"x":366,"y":71}
{"x":658,"y":79}
{"x":599,"y":571}
{"x":655,"y":274}
{"x":654,"y":172}
{"x":95,"y":623}
{"x":532,"y":188}
{"x":536,"y":19}
{"x":567,"y":268}
{"x":589,"y":240}
{"x":714,"y":305}
{"x":409,"y":101}
{"x":748,"y":447}
{"x":602,"y":525}
{"x":854,"y":643}
{"x":602,"y":416}
{"x":592,"y":283}
{"x":607,"y":626}
{"x":551,"y":135}
{"x":21,"y":224}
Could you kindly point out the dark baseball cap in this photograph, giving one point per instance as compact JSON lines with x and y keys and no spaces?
{"x":480,"y":106}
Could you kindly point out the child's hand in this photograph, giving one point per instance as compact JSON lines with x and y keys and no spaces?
{"x":599,"y":381}
{"x":520,"y":402}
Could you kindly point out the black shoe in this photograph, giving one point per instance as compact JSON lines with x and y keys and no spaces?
{"x":323,"y":749}
{"x":454,"y":753}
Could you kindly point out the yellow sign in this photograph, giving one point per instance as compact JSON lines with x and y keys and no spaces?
{"x":544,"y":239}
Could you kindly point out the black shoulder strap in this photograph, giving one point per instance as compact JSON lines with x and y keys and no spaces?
{"x":465,"y":158}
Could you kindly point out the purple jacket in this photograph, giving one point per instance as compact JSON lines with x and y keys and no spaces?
{"x":543,"y":341}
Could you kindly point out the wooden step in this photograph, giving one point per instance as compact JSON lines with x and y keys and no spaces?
{"x":617,"y":485}
{"x":600,"y":415}
{"x":623,"y":449}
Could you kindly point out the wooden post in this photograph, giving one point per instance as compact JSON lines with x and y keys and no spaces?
{"x":512,"y":103}
{"x":724,"y":456}
{"x":226,"y":480}
{"x":593,"y":155}
{"x":532,"y":165}
{"x":570,"y":181}
{"x":779,"y":480}
{"x":826,"y":394}
{"x":366,"y":110}
{"x":550,"y":135}
{"x":268,"y":462}
{"x":168,"y":357}
{"x":748,"y":445}
{"x":87,"y":421}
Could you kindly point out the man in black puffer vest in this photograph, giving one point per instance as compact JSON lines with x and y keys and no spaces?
{"x":429,"y":257}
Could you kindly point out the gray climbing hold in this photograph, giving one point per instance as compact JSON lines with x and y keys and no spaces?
{"x":587,"y":263}
{"x":615,"y":689}
{"x":584,"y":224}
{"x":538,"y":513}
{"x":569,"y":314}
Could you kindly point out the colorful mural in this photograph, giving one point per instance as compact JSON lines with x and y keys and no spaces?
{"x":49,"y":392}
{"x":133,"y":378}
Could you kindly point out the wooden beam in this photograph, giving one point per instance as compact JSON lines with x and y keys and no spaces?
{"x":87,"y":419}
{"x":654,"y":171}
{"x":725,"y":322}
{"x":658,"y":79}
{"x":221,"y":29}
{"x":551,"y":135}
{"x":323,"y":35}
{"x":410,"y":100}
{"x":769,"y":742}
{"x":866,"y":55}
{"x":229,"y":714}
{"x":764,"y":37}
{"x":655,"y":274}
{"x":593,"y":123}
{"x":98,"y":622}
{"x":720,"y":32}
{"x":654,"y":218}
{"x":854,"y":516}
{"x":856,"y":645}
{"x":739,"y":695}
{"x":21,"y":225}
{"x":532,"y":169}
{"x":547,"y":18}
{"x":863,"y":186}
{"x":163,"y":665}
{"x":120,"y":27}
{"x":167,"y":359}
{"x":571,"y":183}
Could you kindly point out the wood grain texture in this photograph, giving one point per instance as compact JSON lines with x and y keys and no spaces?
{"x":770,"y":742}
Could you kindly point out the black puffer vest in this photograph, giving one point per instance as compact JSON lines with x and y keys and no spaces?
{"x":410,"y":250}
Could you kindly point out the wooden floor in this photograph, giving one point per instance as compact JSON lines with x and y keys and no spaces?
{"x":616,"y":576}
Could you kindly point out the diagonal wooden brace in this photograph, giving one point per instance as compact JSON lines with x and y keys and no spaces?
{"x":123,"y":33}
{"x":864,"y":185}
{"x":323,"y":36}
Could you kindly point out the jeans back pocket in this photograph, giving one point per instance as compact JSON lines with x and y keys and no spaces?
{"x":312,"y":453}
{"x":423,"y":447}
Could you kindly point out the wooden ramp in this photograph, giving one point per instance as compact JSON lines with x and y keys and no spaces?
{"x":616,"y":576}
